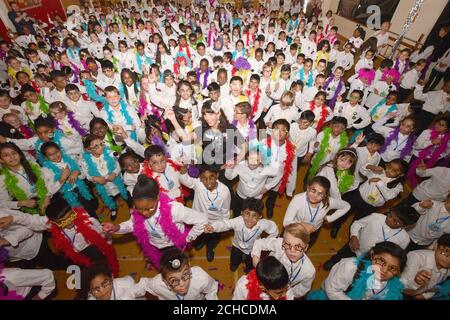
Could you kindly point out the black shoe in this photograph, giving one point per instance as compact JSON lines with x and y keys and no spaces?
{"x":210,"y":255}
{"x":233,"y":268}
{"x":113,"y":215}
{"x":328,"y":265}
{"x":198,"y":245}
{"x":269,"y":214}
{"x":334,"y":232}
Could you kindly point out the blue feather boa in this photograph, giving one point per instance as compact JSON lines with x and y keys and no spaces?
{"x":139,"y":61}
{"x":93,"y":172}
{"x":90,"y":90}
{"x":393,"y":291}
{"x":392,"y":108}
{"x":301,"y":76}
{"x":57,"y":135}
{"x":66,"y":188}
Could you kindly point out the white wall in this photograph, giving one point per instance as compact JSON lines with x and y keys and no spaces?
{"x":425,"y":21}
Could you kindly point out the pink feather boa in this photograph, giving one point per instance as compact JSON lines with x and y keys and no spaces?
{"x":168,"y":226}
{"x":11,"y":295}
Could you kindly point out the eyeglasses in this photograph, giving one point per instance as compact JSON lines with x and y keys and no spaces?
{"x":105,"y":284}
{"x":249,"y":215}
{"x":67,"y":221}
{"x":277,"y":296}
{"x":297,"y":247}
{"x":173,"y":283}
{"x":382,"y":263}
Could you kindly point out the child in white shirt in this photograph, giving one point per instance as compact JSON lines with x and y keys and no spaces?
{"x":303,"y":134}
{"x":284,"y":110}
{"x":365,"y":62}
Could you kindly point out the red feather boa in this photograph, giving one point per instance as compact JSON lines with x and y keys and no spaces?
{"x":82,"y":225}
{"x":323,"y":115}
{"x":149,"y":173}
{"x":253,"y":287}
{"x":287,"y":165}
{"x":255,"y":101}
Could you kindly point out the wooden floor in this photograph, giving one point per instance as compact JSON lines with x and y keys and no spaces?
{"x":131,"y":259}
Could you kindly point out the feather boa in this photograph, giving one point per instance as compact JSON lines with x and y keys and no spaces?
{"x":144,"y":108}
{"x":251,"y":135}
{"x":212,"y":37}
{"x":429,"y":155}
{"x":397,"y":66}
{"x":249,"y":40}
{"x":254,"y":287}
{"x":57,"y":135}
{"x":337,"y":91}
{"x":72,"y":55}
{"x":323,"y":115}
{"x":343,"y":141}
{"x":287,"y":165}
{"x":237,"y":54}
{"x":12,"y":185}
{"x":66,"y":188}
{"x":90,"y":90}
{"x":10,"y":295}
{"x":148,"y":61}
{"x":112,"y":144}
{"x":74,"y":123}
{"x":43,"y":105}
{"x":84,"y":226}
{"x":26,"y":131}
{"x":345,"y":180}
{"x":149,"y":173}
{"x":255,"y":104}
{"x":101,"y":189}
{"x":391,"y":109}
{"x":394,"y":136}
{"x":205,"y":78}
{"x":301,"y":76}
{"x":168,"y":226}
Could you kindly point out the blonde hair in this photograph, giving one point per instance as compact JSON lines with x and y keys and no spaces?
{"x":287,"y":99}
{"x":297,"y":230}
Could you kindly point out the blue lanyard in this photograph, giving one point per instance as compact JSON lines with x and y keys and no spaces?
{"x":376,"y":294}
{"x":312,"y":217}
{"x":441,"y":220}
{"x":384,"y":234}
{"x":33,"y":190}
{"x":170,"y":182}
{"x":399,"y":145}
{"x":73,"y":238}
{"x":179,"y":297}
{"x":248,"y":239}
{"x":212,"y":201}
{"x":293,"y":277}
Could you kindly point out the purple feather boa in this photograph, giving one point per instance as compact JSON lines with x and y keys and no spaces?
{"x":336,"y":92}
{"x":397,"y":65}
{"x":73,"y":123}
{"x":251,"y":129}
{"x":205,"y":79}
{"x":168,"y":226}
{"x":11,"y":295}
{"x":157,"y":141}
{"x":193,"y":171}
{"x":394,"y":136}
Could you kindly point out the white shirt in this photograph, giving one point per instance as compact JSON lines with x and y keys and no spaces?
{"x":373,"y":229}
{"x":301,"y":138}
{"x":377,"y":194}
{"x":363,"y":63}
{"x":435,"y":188}
{"x":215,"y":203}
{"x":169,"y":180}
{"x":301,"y":273}
{"x":353,"y":114}
{"x":130,"y":179}
{"x":435,"y":101}
{"x":22,"y":281}
{"x":244,"y":238}
{"x":202,"y":287}
{"x":84,"y":111}
{"x":410,"y":79}
{"x":318,"y":114}
{"x":432,"y":224}
{"x":309,"y":48}
{"x":420,"y":260}
{"x":52,"y":95}
{"x":181,"y":216}
{"x":394,"y":149}
{"x":103,"y":81}
{"x":424,"y":142}
{"x":365,"y":159}
{"x":332,"y":149}
{"x":382,"y":88}
{"x":275,"y":112}
{"x":329,"y":172}
{"x":299,"y":210}
{"x":241,"y":291}
{"x":122,"y":289}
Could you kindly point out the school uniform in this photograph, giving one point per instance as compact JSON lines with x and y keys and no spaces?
{"x":393,"y":151}
{"x":181,"y":216}
{"x":432,"y":224}
{"x":383,"y":89}
{"x":423,"y":260}
{"x":52,"y":95}
{"x":357,"y":42}
{"x":435,"y":188}
{"x":357,"y":84}
{"x":424,"y":142}
{"x":275,"y":112}
{"x":169,"y":180}
{"x":301,"y":273}
{"x":363,"y":63}
{"x":309,"y":48}
{"x":103,"y":81}
{"x":299,"y":210}
{"x":331,"y":151}
{"x":435,"y":102}
{"x":244,"y":238}
{"x":365,"y":159}
{"x":84,"y":111}
{"x":409,"y":81}
{"x":357,"y":116}
{"x":119,"y":119}
{"x":122,"y":289}
{"x":96,"y":49}
{"x":22,"y":281}
{"x":202,"y":287}
{"x":302,"y":139}
{"x":241,"y":292}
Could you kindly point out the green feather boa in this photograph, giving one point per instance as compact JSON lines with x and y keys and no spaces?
{"x":345,"y":180}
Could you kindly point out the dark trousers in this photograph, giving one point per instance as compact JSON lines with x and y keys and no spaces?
{"x":238,"y":203}
{"x":270,"y":202}
{"x":359,"y":207}
{"x":313,"y":237}
{"x":237,"y":257}
{"x":425,"y":119}
{"x":403,"y":94}
{"x":410,"y":200}
{"x":211,"y":240}
{"x":435,"y":78}
{"x":344,"y":252}
{"x":45,"y":258}
{"x":89,"y":205}
{"x":412,"y":246}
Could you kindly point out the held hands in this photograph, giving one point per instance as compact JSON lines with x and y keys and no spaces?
{"x":374,"y":180}
{"x":423,"y":278}
{"x":30,"y":203}
{"x":354,"y":243}
{"x":108,"y":227}
{"x":65,"y":173}
{"x":120,"y":131}
{"x":375,"y":169}
{"x":73,"y":177}
{"x":208,"y":228}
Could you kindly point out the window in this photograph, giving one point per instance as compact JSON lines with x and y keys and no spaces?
{"x":356,"y":10}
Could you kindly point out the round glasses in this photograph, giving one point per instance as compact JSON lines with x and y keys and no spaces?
{"x":105,"y":284}
{"x":173,"y":283}
{"x":297,"y":247}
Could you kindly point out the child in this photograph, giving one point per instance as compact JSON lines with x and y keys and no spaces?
{"x":281,"y":84}
{"x":290,"y":251}
{"x":101,"y":167}
{"x":282,"y":157}
{"x":357,"y":39}
{"x":177,"y":280}
{"x":285,"y":110}
{"x":211,"y":197}
{"x":361,"y":81}
{"x":66,"y":121}
{"x":374,"y":276}
{"x":385,"y":107}
{"x":365,"y":232}
{"x":6,"y":106}
{"x":303,"y":134}
{"x":368,"y":156}
{"x":433,"y":223}
{"x":34,"y":104}
{"x":427,"y":269}
{"x":158,"y":222}
{"x":334,"y":87}
{"x":99,"y":284}
{"x":306,"y":74}
{"x":401,"y":64}
{"x":356,"y":115}
{"x":410,"y":79}
{"x":129,"y":163}
{"x":270,"y":281}
{"x":311,"y":207}
{"x":399,"y":141}
{"x":108,"y":77}
{"x":328,"y":142}
{"x":321,"y":111}
{"x":366,"y":62}
{"x":380,"y":89}
{"x":248,"y":227}
{"x":309,"y":46}
{"x":340,"y":172}
{"x":167,"y":176}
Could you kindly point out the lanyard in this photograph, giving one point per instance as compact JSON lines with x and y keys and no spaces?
{"x":179,"y":297}
{"x":441,"y":220}
{"x":399,"y":145}
{"x":250,"y":237}
{"x":312,"y":217}
{"x":170,"y":182}
{"x":293,"y":277}
{"x":73,"y":238}
{"x":114,"y":293}
{"x":212,"y":201}
{"x":32,"y":188}
{"x":384,"y":234}
{"x":377,"y":293}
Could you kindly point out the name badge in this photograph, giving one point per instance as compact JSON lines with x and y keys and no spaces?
{"x":212,"y":207}
{"x":170,"y":184}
